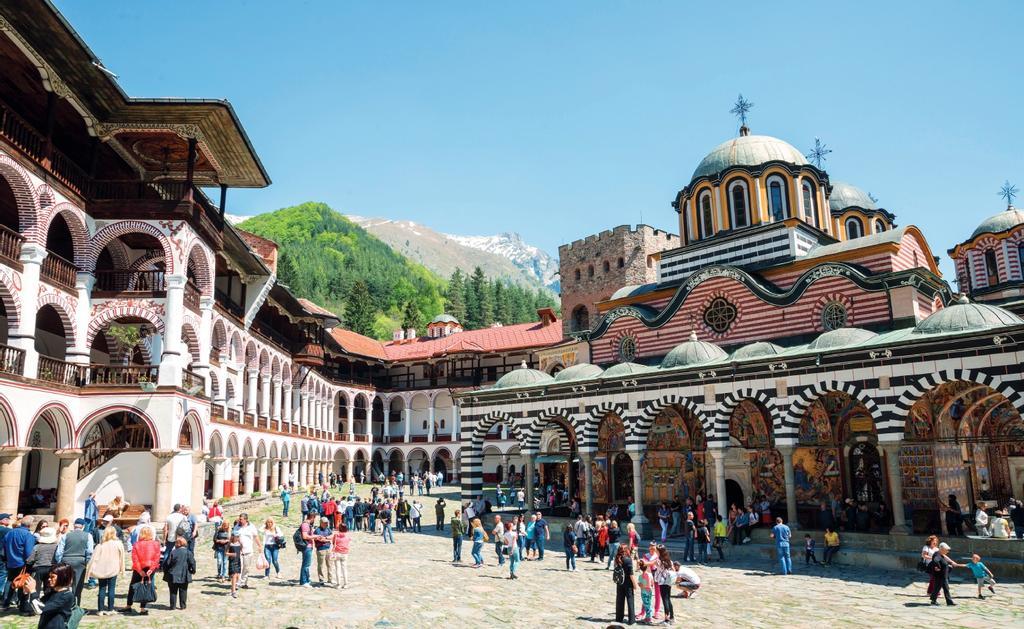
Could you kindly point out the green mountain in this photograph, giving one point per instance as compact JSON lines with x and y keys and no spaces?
{"x":323,"y":256}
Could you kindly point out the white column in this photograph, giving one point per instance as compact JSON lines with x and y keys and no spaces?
{"x":265,"y":402}
{"x":892,"y":463}
{"x":250,"y":387}
{"x":276,"y":412}
{"x":329,"y":408}
{"x":83,"y":286}
{"x":351,"y":411}
{"x":287,"y":401}
{"x":430,"y":422}
{"x":386,"y":423}
{"x":790,"y":482}
{"x":303,"y":408}
{"x":218,"y":477}
{"x":222,"y":380}
{"x":172,"y":361}
{"x":202,"y":366}
{"x":456,"y":421}
{"x":719,"y":456}
{"x":24,"y":337}
{"x":408,"y":421}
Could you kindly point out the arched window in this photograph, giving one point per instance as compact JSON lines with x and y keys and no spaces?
{"x":622,"y":262}
{"x":707,"y":215}
{"x":590,"y":271}
{"x":991,"y":268}
{"x":580,"y":318}
{"x":854,"y":228}
{"x":1020,"y":257}
{"x":577,"y":275}
{"x":810,"y":203}
{"x":879,"y":226}
{"x":424,"y":424}
{"x":966,"y":277}
{"x":738,"y":206}
{"x":607,"y":266}
{"x":777,"y":198}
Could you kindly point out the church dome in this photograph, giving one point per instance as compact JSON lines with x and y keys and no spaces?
{"x":1007,"y":219}
{"x":748,"y":150}
{"x":522,"y":377}
{"x":691,"y":353}
{"x":625,"y":369}
{"x":964,"y":315}
{"x":757,"y":350}
{"x":844,"y":195}
{"x":444,"y":318}
{"x":842,"y":337}
{"x":582,"y":371}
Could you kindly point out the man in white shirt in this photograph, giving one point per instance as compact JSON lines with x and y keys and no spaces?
{"x":171,"y":528}
{"x":686,"y":580}
{"x":248,"y":537}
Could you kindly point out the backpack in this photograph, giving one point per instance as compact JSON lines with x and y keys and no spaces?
{"x":184,"y":528}
{"x":300,"y":544}
{"x":619,"y":574}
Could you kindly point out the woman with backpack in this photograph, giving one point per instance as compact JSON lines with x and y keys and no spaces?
{"x":221,"y":539}
{"x":625,"y":585}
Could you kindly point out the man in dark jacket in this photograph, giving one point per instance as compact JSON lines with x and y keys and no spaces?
{"x":75,"y":549}
{"x":5,"y":528}
{"x":18,"y":545}
{"x":439,"y":513}
{"x":826,"y":520}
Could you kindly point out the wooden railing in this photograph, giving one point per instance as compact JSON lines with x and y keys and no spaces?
{"x":133,"y":437}
{"x":21,"y":134}
{"x":10,"y":244}
{"x":62,"y":372}
{"x":124,"y":281}
{"x":58,"y":270}
{"x":12,"y":360}
{"x":135,"y":190}
{"x":233,"y":414}
{"x":191,"y":381}
{"x":227,"y":303}
{"x":191,"y":297}
{"x":217,"y":410}
{"x":122,"y":375}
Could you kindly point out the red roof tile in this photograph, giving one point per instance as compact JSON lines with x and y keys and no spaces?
{"x":315,"y":309}
{"x":354,"y":343}
{"x":264,"y":248}
{"x":486,"y":341}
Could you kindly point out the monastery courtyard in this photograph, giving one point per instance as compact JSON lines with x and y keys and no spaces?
{"x":412,"y":584}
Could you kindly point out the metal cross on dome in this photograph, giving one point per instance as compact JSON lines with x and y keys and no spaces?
{"x":819,"y":153}
{"x":741,"y":108}
{"x":1008,"y":192}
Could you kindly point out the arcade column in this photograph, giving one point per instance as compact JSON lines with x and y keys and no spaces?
{"x":11,"y":460}
{"x":164,"y":480}
{"x":892,"y":464}
{"x":67,"y":479}
{"x":275,"y":474}
{"x":588,"y":480}
{"x":198,"y":480}
{"x":787,"y":470}
{"x":640,"y":521}
{"x":218,"y":477}
{"x":718,"y":454}
{"x":528,"y":476}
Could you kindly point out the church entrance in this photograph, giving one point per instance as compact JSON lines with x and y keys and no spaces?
{"x":865,"y":467}
{"x":733,"y":493}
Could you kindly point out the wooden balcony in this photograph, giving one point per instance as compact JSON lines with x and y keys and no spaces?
{"x":121,"y":375}
{"x":233,"y":414}
{"x":162,"y":199}
{"x":113,"y":282}
{"x":12,"y":360}
{"x":191,"y":297}
{"x":10,"y":246}
{"x":62,"y":372}
{"x":33,"y":145}
{"x":193,"y":382}
{"x":217,"y":410}
{"x":58,"y":271}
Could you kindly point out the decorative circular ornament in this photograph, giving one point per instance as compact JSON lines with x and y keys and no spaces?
{"x":720,"y":315}
{"x":627,"y":348}
{"x":833,"y":316}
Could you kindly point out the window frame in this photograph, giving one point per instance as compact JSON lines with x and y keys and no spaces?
{"x":856,"y":221}
{"x":706,"y":231}
{"x":808,"y":193}
{"x":741,"y":184}
{"x":781,"y":181}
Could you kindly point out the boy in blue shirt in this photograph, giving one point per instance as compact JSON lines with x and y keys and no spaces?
{"x":982,"y":574}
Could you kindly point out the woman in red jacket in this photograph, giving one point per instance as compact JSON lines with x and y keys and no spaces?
{"x":145,"y":561}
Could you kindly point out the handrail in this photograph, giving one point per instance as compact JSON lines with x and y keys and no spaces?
{"x":191,"y":296}
{"x":125,"y":281}
{"x":23,"y":135}
{"x":10,"y":243}
{"x":12,"y":360}
{"x":59,"y":270}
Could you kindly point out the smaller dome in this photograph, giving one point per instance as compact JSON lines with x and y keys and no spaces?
{"x":522,"y":377}
{"x":691,"y":353}
{"x":625,"y":369}
{"x":625,"y":291}
{"x":964,"y":315}
{"x":444,"y":318}
{"x":582,"y":371}
{"x":844,"y":195}
{"x":1007,"y":219}
{"x":842,"y":337}
{"x":757,"y":350}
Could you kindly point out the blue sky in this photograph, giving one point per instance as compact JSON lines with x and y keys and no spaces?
{"x":557,"y":120}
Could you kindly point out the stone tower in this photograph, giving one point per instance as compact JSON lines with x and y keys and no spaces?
{"x":594,"y":267}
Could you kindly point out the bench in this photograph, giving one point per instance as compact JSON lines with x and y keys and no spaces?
{"x":129,"y":517}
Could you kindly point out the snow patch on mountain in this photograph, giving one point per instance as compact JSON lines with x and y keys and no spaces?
{"x":532,"y":260}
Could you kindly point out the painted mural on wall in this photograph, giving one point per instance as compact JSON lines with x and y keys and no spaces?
{"x":674,"y":464}
{"x":917,"y":467}
{"x":749,"y":426}
{"x":601,"y":479}
{"x":622,"y":477}
{"x":816,"y":474}
{"x":767,"y":475}
{"x":611,"y":434}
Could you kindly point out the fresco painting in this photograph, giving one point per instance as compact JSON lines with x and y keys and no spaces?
{"x":749,"y":426}
{"x":917,"y":467}
{"x":611,"y":434}
{"x":767,"y":475}
{"x":816,"y":474}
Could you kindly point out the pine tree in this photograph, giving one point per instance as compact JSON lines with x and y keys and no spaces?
{"x":359,"y":309}
{"x":472,"y":321}
{"x":455,"y":296}
{"x":411,"y":316}
{"x":484,"y":295}
{"x":285,"y":269}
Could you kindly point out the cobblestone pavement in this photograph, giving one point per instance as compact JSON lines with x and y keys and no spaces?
{"x":412,"y":584}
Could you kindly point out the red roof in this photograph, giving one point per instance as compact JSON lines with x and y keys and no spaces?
{"x":486,"y":341}
{"x":264,"y":248}
{"x":354,"y":343}
{"x":315,"y":309}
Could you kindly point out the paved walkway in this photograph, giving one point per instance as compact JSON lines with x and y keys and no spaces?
{"x":412,"y":584}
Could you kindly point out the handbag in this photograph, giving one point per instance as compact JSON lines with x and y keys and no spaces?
{"x":77,"y":613}
{"x":143,"y":591}
{"x":281,"y":542}
{"x":19,"y":581}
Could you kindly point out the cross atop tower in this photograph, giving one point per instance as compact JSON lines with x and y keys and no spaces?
{"x":740,"y":109}
{"x":819,"y":153}
{"x":1009,"y":193}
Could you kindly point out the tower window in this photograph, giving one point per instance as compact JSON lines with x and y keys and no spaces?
{"x":580,"y":318}
{"x":854,"y":228}
{"x":622,"y":263}
{"x":879,"y":226}
{"x":991,"y":268}
{"x":577,"y":275}
{"x":810,"y":204}
{"x":707,"y":219}
{"x":777,"y":198}
{"x":590,"y":271}
{"x":607,"y":266}
{"x":738,"y":204}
